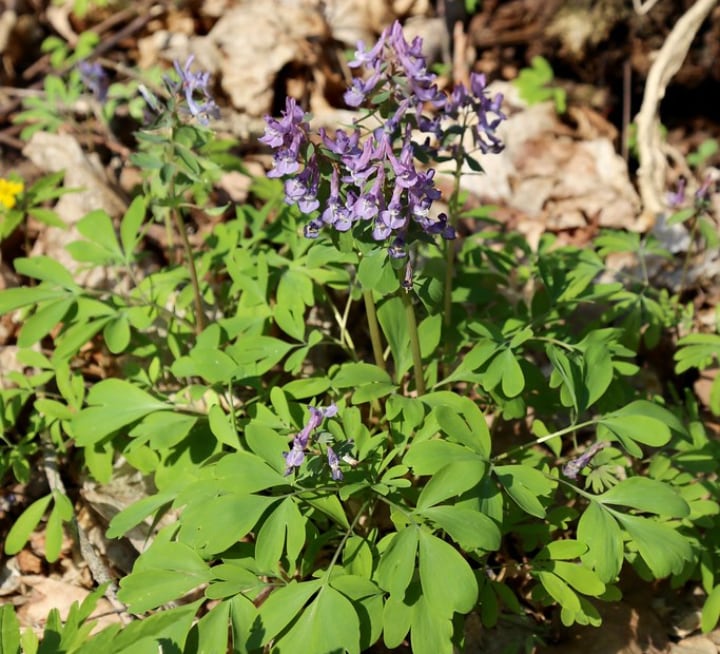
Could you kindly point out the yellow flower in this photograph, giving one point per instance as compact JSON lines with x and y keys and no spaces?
{"x":9,"y":190}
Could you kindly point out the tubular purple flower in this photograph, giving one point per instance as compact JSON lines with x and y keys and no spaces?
{"x":291,"y":128}
{"x":93,"y":76}
{"x":295,"y":457}
{"x":194,"y":84}
{"x":285,"y":162}
{"x":573,"y":467}
{"x":312,"y":229}
{"x":676,"y":198}
{"x":397,"y":249}
{"x":302,"y":189}
{"x":364,"y":57}
{"x":334,"y":464}
{"x":342,"y":144}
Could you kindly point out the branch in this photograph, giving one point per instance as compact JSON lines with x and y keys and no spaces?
{"x":651,"y":174}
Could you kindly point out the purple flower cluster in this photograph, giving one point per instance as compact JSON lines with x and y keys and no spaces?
{"x":295,"y":457}
{"x":193,"y":87}
{"x":198,"y":98}
{"x":373,"y":182}
{"x":486,"y":110}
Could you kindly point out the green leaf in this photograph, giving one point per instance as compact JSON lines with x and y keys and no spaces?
{"x":212,"y":629}
{"x":600,"y":532}
{"x":210,"y":363}
{"x":397,"y":617}
{"x":117,"y":334}
{"x":163,"y":429}
{"x":710,"y":611}
{"x":439,"y":563}
{"x":358,"y":557}
{"x":663,"y":549}
{"x":375,"y":272}
{"x":450,"y":481}
{"x":392,"y":318}
{"x":300,"y":389}
{"x":330,"y":624}
{"x":631,"y":428}
{"x":558,"y":590}
{"x":222,"y":428}
{"x":53,"y":534}
{"x":427,"y":457}
{"x":243,"y":617}
{"x":513,"y":380}
{"x":579,"y":577}
{"x":167,"y":629}
{"x":15,"y":298}
{"x":25,"y":525}
{"x":165,"y":572}
{"x":524,"y":485}
{"x":473,"y":433}
{"x":351,"y":375}
{"x":564,"y":549}
{"x":470,"y":529}
{"x":370,"y":392}
{"x":247,"y":473}
{"x":646,"y":495}
{"x":114,"y":403}
{"x":397,"y":563}
{"x":9,"y":630}
{"x":44,"y":320}
{"x":233,"y":517}
{"x":130,"y":225}
{"x":431,"y":631}
{"x":284,"y":524}
{"x":329,"y":504}
{"x":47,"y":270}
{"x":134,"y":514}
{"x":97,"y":228}
{"x":279,"y":609}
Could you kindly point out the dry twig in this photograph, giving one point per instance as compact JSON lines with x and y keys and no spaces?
{"x":651,"y":174}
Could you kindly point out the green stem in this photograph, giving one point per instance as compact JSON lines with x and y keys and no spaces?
{"x":197,"y":295}
{"x":544,"y":439}
{"x":374,"y":328}
{"x":453,"y":215}
{"x":350,"y":530}
{"x":414,"y":342}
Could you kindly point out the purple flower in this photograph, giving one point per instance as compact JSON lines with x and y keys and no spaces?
{"x":676,"y":198}
{"x":95,"y":78}
{"x":334,"y":464}
{"x":291,"y":129}
{"x":573,"y":467}
{"x":295,"y":457}
{"x":398,"y":249}
{"x":302,"y":189}
{"x":195,"y":87}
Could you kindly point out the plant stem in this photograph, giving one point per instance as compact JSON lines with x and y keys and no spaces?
{"x":374,"y":328}
{"x":449,"y":248}
{"x":544,"y":439}
{"x":197,"y":295}
{"x":414,"y":342}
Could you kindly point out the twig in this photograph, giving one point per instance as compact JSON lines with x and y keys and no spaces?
{"x":651,"y":174}
{"x":641,"y":8}
{"x":97,"y":568}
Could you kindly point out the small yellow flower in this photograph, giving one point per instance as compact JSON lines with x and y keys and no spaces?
{"x":9,"y":190}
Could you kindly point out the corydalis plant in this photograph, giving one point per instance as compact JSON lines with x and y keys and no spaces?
{"x":368,"y":179}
